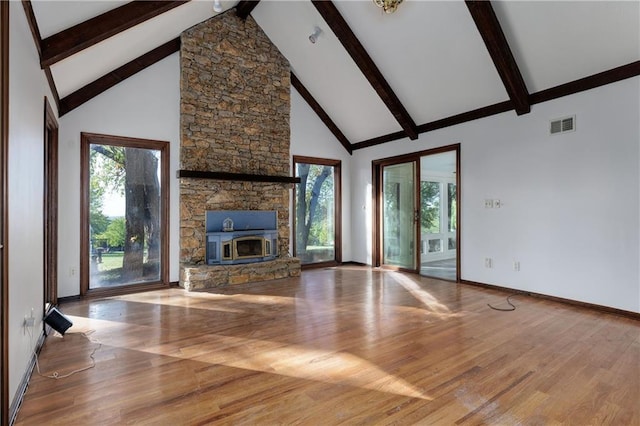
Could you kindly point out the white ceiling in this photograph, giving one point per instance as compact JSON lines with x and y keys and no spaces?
{"x":325,"y":69}
{"x":428,"y":66}
{"x":557,"y":42}
{"x":430,"y":52}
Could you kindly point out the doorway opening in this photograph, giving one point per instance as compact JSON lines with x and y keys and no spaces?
{"x":417,"y":214}
{"x":438,"y":215}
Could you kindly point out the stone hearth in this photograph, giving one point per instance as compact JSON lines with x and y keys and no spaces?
{"x":210,"y":276}
{"x":234,"y":118}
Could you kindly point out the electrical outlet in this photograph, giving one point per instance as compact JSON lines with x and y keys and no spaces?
{"x":72,"y":271}
{"x":516,"y":266}
{"x":488,"y":203}
{"x":497,"y":204}
{"x":488,"y":263}
{"x":29,"y":320}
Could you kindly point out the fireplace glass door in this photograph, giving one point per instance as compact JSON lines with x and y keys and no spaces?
{"x":250,"y":247}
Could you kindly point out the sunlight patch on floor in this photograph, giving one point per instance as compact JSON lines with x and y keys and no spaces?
{"x":266,"y":356}
{"x":430,"y":303}
{"x":192,"y":299}
{"x":300,"y":362}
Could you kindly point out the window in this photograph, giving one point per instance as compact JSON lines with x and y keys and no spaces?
{"x":124,"y":212}
{"x":317,"y":216}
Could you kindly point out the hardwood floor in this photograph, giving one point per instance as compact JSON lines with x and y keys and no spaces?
{"x":345,"y":345}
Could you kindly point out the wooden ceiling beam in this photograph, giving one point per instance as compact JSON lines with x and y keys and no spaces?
{"x":464,"y":117}
{"x":341,"y":29}
{"x":88,"y":33}
{"x":107,"y":81}
{"x":33,"y":24}
{"x":37,"y":39}
{"x":591,"y":82}
{"x":320,"y":112}
{"x":487,"y":23}
{"x":379,"y":140}
{"x":442,"y":123}
{"x":245,"y":7}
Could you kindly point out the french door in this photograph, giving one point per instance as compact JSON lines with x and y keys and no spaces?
{"x":417,"y":213}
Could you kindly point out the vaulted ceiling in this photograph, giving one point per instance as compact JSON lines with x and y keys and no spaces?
{"x":371,"y":77}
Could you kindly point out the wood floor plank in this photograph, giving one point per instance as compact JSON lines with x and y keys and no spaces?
{"x":348,"y":345}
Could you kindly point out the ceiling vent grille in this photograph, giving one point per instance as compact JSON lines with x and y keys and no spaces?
{"x":563,"y":125}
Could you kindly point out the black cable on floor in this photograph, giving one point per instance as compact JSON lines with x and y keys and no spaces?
{"x":512,"y":308}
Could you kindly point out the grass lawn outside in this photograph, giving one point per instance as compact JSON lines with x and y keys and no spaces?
{"x":111,"y":261}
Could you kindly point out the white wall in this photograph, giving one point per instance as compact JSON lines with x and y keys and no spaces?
{"x":147,"y":106}
{"x":27,"y":89}
{"x":570,"y":202}
{"x":311,"y":138}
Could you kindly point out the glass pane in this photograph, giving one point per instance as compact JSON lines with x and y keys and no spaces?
{"x":398,"y":212}
{"x":124,"y":215}
{"x":430,"y":208}
{"x":438,"y":215}
{"x":452,"y":244}
{"x":452,"y":207}
{"x":435,"y":246}
{"x":315,"y":213}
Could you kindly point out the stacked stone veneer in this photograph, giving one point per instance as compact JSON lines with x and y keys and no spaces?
{"x":234,"y":107}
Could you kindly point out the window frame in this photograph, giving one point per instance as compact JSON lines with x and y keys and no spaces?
{"x":337,"y":193}
{"x":86,"y":140}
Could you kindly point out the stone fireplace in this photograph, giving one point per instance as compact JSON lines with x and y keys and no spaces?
{"x":234,"y":107}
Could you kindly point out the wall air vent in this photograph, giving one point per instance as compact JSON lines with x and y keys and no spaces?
{"x":563,"y":125}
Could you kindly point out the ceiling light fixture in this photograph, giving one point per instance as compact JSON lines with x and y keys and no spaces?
{"x":314,"y":36}
{"x":389,"y":6}
{"x":217,"y":6}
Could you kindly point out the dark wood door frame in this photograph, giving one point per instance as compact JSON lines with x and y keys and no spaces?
{"x":4,"y":226}
{"x":376,"y":179}
{"x":50,"y":216}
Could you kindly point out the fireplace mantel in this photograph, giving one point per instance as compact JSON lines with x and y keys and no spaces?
{"x":238,"y":177}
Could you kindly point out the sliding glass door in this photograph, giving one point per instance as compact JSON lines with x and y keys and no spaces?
{"x":417,"y":214}
{"x":399,"y":215}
